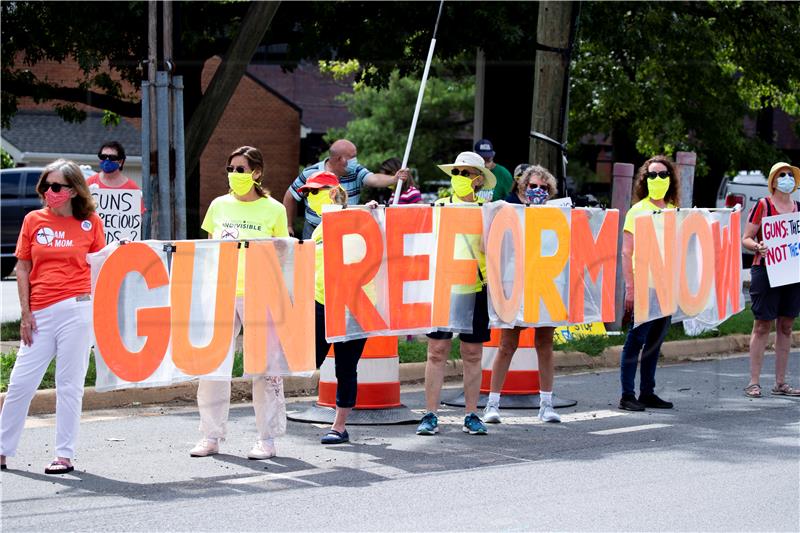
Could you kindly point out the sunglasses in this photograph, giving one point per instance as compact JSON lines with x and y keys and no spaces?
{"x":240,"y":170}
{"x":110,"y":157}
{"x":660,"y":174}
{"x":55,"y":187}
{"x":534,"y":186}
{"x":784,"y":174}
{"x":464,"y":172}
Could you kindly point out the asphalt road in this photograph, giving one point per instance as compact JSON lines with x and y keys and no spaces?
{"x":718,"y":462}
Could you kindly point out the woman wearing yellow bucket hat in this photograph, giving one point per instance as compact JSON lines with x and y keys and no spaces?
{"x":780,"y":305}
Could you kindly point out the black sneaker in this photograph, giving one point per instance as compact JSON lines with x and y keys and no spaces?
{"x":630,"y":403}
{"x":651,"y":400}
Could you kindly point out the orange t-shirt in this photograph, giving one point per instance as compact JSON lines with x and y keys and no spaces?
{"x":94,"y":179}
{"x":57,"y":246}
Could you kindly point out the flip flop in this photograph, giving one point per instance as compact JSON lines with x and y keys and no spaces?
{"x":59,"y":467}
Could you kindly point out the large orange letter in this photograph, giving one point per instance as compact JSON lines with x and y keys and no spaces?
{"x":454,"y":222}
{"x":403,"y":268}
{"x":344,"y":282}
{"x":648,"y":258}
{"x":152,"y":323}
{"x":190,"y":359}
{"x":590,"y":256}
{"x":728,"y":264}
{"x":542,"y":271}
{"x":266,"y":300}
{"x":696,"y":224}
{"x":505,"y":222}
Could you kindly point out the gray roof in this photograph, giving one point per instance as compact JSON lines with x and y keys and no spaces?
{"x":44,"y":131}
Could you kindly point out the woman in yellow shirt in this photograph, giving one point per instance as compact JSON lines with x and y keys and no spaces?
{"x":323,"y":188}
{"x":246,"y":212}
{"x":656,"y":187}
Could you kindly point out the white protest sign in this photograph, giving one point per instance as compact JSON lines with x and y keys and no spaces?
{"x":560,"y":202}
{"x":781,"y":234}
{"x":121,"y":213}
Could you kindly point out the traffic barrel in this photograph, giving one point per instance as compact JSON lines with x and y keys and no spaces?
{"x":378,"y":397}
{"x":520,"y":389}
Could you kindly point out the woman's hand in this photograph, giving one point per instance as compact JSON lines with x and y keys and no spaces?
{"x":760,"y":247}
{"x":27,"y":327}
{"x":372,"y":204}
{"x":405,"y":175}
{"x":629,"y":298}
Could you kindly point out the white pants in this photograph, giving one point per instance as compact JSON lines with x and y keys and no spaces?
{"x":64,"y":330}
{"x":269,"y":403}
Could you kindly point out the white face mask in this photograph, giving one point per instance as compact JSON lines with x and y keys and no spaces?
{"x":785,"y":184}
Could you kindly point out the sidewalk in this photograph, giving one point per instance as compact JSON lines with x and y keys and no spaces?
{"x":410,"y":373}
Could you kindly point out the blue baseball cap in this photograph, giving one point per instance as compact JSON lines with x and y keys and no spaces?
{"x":484,"y":148}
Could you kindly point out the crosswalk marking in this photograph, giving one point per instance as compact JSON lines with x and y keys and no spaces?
{"x":629,"y":429}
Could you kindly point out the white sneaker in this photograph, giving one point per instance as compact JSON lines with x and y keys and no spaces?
{"x":491,"y":414}
{"x":547,"y":413}
{"x":205,"y":448}
{"x":262,"y":449}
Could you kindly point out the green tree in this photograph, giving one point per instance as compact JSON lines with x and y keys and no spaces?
{"x":6,"y":159}
{"x":669,"y":76}
{"x":382,"y":119}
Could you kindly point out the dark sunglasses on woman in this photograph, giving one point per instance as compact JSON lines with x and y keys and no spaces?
{"x":55,"y":187}
{"x":110,"y":157}
{"x":535,"y":186}
{"x":784,"y":174}
{"x":240,"y":170}
{"x":464,"y":172}
{"x":660,"y":174}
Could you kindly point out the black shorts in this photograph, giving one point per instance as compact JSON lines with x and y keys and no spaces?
{"x":769,"y":303}
{"x":480,"y":323}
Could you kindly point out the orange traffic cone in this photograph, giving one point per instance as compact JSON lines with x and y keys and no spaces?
{"x":521,"y":388}
{"x":378,"y":398}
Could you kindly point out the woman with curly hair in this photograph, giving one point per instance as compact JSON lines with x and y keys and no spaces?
{"x":656,"y":187}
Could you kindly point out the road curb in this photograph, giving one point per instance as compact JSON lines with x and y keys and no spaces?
{"x":44,"y":401}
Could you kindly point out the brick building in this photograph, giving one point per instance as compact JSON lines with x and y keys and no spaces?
{"x":257,"y":116}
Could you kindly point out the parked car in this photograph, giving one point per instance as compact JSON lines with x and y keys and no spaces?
{"x":745,"y":188}
{"x":17,"y":198}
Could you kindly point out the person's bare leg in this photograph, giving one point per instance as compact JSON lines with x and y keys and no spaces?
{"x":340,"y":418}
{"x":471,"y":354}
{"x":783,"y":341}
{"x":543,"y":341}
{"x":438,"y":352}
{"x":509,"y":342}
{"x":758,"y":343}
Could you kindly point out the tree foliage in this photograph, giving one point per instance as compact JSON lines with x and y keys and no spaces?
{"x":668,"y":76}
{"x":382,"y":119}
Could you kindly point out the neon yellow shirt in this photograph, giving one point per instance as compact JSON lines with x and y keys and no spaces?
{"x":231,"y":219}
{"x":642,"y":205}
{"x":466,"y":247}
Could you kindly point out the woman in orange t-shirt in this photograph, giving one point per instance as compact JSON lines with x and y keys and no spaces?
{"x":54,"y":282}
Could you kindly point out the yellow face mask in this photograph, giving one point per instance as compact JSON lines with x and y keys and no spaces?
{"x":657,"y":187}
{"x":240,"y":182}
{"x":462,"y":185}
{"x":321,"y":198}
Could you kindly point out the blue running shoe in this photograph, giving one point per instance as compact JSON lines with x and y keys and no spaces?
{"x":474,"y":425}
{"x":429,"y":425}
